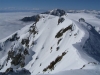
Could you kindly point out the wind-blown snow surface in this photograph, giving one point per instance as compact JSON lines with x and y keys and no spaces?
{"x":68,"y":47}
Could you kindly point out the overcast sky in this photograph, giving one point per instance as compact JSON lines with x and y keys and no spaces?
{"x":49,"y":4}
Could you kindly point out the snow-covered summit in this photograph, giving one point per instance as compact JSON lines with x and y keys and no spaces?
{"x":54,"y":44}
{"x":56,"y":12}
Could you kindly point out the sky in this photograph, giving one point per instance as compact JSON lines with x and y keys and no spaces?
{"x":49,"y":4}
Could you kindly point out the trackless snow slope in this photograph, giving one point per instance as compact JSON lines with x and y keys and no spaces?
{"x":54,"y":45}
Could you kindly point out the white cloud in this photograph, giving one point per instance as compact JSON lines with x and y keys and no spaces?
{"x":9,"y":22}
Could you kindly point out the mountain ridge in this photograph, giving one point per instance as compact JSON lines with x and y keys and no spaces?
{"x":49,"y":43}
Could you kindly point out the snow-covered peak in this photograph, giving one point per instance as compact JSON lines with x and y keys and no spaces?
{"x":53,"y":44}
{"x":56,"y":12}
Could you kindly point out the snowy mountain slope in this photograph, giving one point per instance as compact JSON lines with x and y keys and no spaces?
{"x":77,"y":72}
{"x":11,"y":71}
{"x":53,"y":44}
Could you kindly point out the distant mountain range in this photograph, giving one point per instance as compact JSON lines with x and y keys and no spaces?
{"x":84,"y":11}
{"x":59,"y":12}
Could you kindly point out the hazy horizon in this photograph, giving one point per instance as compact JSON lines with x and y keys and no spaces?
{"x":35,"y":5}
